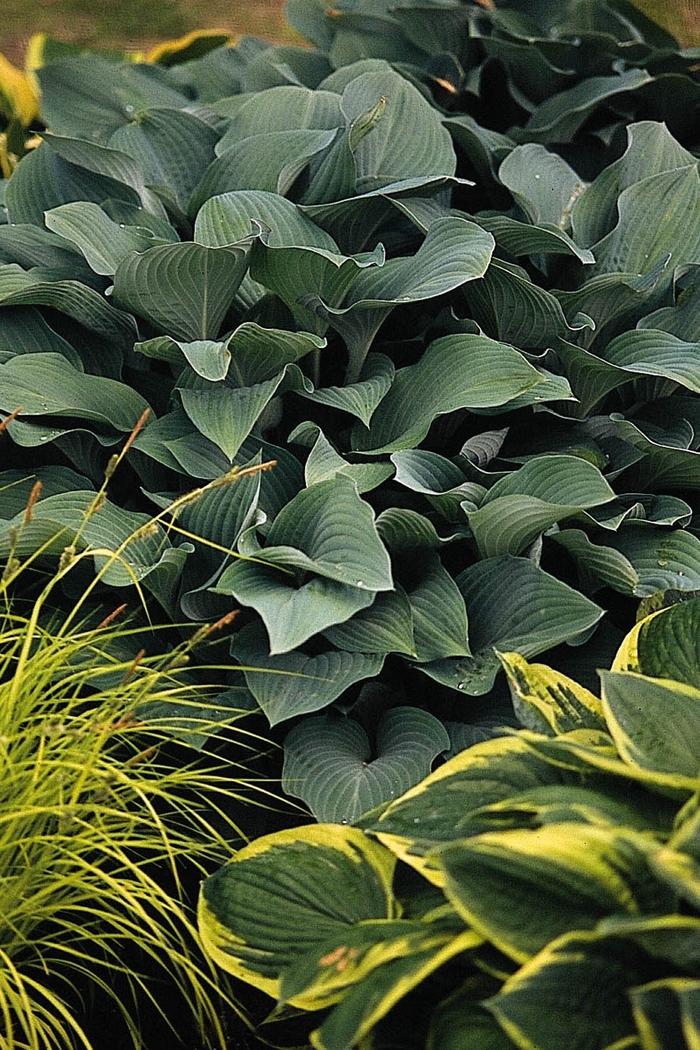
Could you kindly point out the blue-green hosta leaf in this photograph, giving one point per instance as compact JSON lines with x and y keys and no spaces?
{"x":454,"y":252}
{"x":664,"y":465}
{"x":557,"y":119}
{"x":23,"y":330}
{"x":328,"y":761}
{"x":639,"y":237}
{"x":609,"y":296}
{"x":30,"y":245}
{"x":522,"y":238}
{"x":327,"y":529}
{"x":91,"y":96}
{"x":83,"y":304}
{"x":291,"y":612}
{"x":48,"y":385}
{"x":542,"y":184}
{"x":60,"y":520}
{"x":484,"y":147}
{"x":46,"y":181}
{"x":408,"y":140}
{"x":324,"y":462}
{"x":226,"y":414}
{"x":456,"y":371}
{"x":650,"y":352}
{"x":440,"y":480}
{"x":174,"y":441}
{"x":172,"y":147}
{"x":590,"y":376}
{"x":386,"y":626}
{"x":439,"y":613}
{"x":284,"y":108}
{"x":653,"y":721}
{"x":403,"y":529}
{"x":209,"y":358}
{"x":522,"y":505}
{"x":508,"y":306}
{"x":359,"y":399}
{"x":108,"y":162}
{"x":271,"y":161}
{"x":293,"y":683}
{"x":638,"y":560}
{"x":183,"y":289}
{"x":232,"y":217}
{"x":104,"y":243}
{"x":651,"y":150}
{"x":286,"y":894}
{"x":512,"y":606}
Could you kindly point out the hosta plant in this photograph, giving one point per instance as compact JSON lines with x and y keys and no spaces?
{"x":538,"y":890}
{"x":443,"y":268}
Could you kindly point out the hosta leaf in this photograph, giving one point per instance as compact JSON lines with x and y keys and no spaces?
{"x":225,"y":414}
{"x":664,"y":465}
{"x":653,"y":721}
{"x":651,"y":150}
{"x":172,"y":147}
{"x":522,"y":238}
{"x":291,"y":612}
{"x":232,"y":217}
{"x":598,"y":564}
{"x":457,"y":371}
{"x":542,"y":183}
{"x":104,"y":243}
{"x":523,"y":888}
{"x":459,"y":1023}
{"x":328,"y":761}
{"x":293,"y":683}
{"x":658,"y":560}
{"x":454,"y":252}
{"x":514,"y":606}
{"x":183,"y":289}
{"x":649,"y":352}
{"x":525,"y":503}
{"x":359,"y":399}
{"x":271,"y":162}
{"x":83,"y":304}
{"x":547,"y":701}
{"x":557,"y":119}
{"x":403,"y":529}
{"x":665,"y":645}
{"x":324,"y":462}
{"x":439,"y":613}
{"x":536,"y":1006}
{"x":357,"y":1013}
{"x":89,"y":95}
{"x":638,"y":239}
{"x":439,"y":809}
{"x":329,"y":530}
{"x":386,"y":626}
{"x":281,"y":109}
{"x":48,"y":385}
{"x":509,"y":307}
{"x":209,"y":358}
{"x":657,"y":1010}
{"x":23,"y":330}
{"x":287,"y":892}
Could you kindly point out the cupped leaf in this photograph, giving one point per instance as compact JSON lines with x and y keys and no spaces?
{"x":104,"y":243}
{"x":522,"y":505}
{"x":48,"y":385}
{"x":293,"y":684}
{"x":386,"y":626}
{"x":183,"y":289}
{"x":287,"y":892}
{"x":359,"y":399}
{"x":542,"y":183}
{"x":513,"y":606}
{"x":456,"y":371}
{"x":328,"y":761}
{"x":329,"y":530}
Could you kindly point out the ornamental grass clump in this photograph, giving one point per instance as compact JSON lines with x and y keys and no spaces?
{"x":106,"y":812}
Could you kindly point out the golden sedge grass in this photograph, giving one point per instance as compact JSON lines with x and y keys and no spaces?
{"x":94,"y":823}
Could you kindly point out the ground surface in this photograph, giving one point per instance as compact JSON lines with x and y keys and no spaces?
{"x":134,"y":24}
